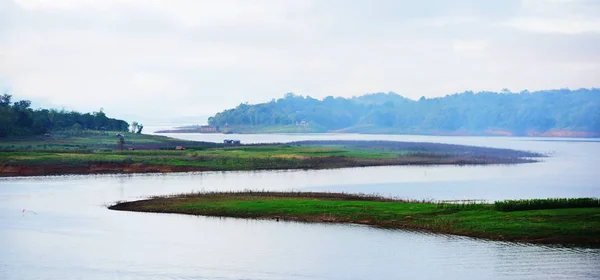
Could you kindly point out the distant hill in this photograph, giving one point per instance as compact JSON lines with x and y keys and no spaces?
{"x":560,"y":112}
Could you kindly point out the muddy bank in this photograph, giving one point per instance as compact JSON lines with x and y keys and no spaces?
{"x":100,"y":168}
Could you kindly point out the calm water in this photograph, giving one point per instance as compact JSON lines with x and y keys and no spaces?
{"x":73,"y":235}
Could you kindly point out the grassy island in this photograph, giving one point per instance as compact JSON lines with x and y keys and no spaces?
{"x":550,"y":221}
{"x":99,"y":152}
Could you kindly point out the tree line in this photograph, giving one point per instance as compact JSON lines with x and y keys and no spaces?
{"x":19,"y":119}
{"x":563,"y":109}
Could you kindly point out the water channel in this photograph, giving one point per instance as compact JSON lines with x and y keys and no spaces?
{"x":67,"y":232}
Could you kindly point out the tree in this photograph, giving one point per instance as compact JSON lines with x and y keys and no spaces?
{"x":140,"y":127}
{"x":519,"y":113}
{"x":100,"y":120}
{"x":22,"y":105}
{"x":134,"y":126}
{"x":121,"y":141}
{"x":18,"y":119}
{"x":5,"y":100}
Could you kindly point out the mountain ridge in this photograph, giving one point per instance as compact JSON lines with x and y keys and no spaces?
{"x":561,"y":112}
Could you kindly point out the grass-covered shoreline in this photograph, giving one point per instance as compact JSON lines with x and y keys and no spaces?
{"x":558,"y":221}
{"x":98,"y":152}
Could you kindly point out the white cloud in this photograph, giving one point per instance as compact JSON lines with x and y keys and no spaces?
{"x":556,"y":16}
{"x":188,"y":57}
{"x":448,"y":21}
{"x":62,"y":4}
{"x":555,"y":25}
{"x":469,"y":45}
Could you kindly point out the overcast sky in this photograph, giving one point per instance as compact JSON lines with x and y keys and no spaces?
{"x":166,"y":59}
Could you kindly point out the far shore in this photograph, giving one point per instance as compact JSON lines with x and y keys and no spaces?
{"x":369,"y":129}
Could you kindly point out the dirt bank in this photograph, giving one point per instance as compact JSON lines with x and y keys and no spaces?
{"x":101,"y":168}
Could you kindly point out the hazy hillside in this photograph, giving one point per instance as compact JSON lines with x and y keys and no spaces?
{"x":553,"y":112}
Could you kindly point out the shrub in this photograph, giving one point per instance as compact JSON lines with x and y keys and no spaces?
{"x":548,"y":203}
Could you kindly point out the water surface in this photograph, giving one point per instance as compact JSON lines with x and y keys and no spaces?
{"x":73,"y":235}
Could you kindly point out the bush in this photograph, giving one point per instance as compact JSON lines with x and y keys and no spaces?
{"x":548,"y":203}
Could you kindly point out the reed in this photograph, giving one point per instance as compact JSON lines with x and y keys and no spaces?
{"x":464,"y":204}
{"x":548,"y":203}
{"x":297,"y":194}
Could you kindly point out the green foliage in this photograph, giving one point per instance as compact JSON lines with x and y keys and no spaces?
{"x":18,"y":119}
{"x":521,"y":204}
{"x":519,"y":113}
{"x":136,"y":127}
{"x":549,"y":203}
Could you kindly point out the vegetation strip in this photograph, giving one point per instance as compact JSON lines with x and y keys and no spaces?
{"x":100,"y":152}
{"x":553,"y":225}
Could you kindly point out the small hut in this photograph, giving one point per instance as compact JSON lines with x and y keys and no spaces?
{"x":231,"y":142}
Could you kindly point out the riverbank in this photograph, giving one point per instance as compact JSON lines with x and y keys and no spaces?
{"x":98,"y":154}
{"x":578,"y":224}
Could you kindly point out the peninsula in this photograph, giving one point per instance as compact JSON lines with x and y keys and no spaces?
{"x":97,"y":152}
{"x":550,"y":221}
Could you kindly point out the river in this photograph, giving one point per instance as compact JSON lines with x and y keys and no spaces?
{"x":67,"y":233}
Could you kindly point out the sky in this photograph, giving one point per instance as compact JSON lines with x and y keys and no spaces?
{"x":168,"y":60}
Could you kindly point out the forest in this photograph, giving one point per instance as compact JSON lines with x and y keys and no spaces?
{"x":19,"y":119}
{"x":518,"y":113}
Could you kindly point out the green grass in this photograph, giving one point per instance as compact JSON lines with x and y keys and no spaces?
{"x":26,"y":156}
{"x":296,"y":151}
{"x":220,"y":158}
{"x":79,"y":151}
{"x":91,"y":140}
{"x":564,"y":225}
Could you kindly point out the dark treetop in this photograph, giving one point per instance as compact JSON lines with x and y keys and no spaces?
{"x":18,"y":119}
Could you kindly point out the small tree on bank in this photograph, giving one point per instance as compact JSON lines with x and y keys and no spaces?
{"x":121,"y":141}
{"x":134,"y":126}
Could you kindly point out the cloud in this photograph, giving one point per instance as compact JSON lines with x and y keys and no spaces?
{"x":555,"y":25}
{"x":556,"y":16}
{"x":448,"y":21}
{"x":192,"y":57}
{"x":469,"y":45}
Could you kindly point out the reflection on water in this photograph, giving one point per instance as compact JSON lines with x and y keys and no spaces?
{"x":75,"y":237}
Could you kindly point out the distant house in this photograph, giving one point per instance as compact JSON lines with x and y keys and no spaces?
{"x":232,"y":142}
{"x":208,"y":129}
{"x":180,"y":148}
{"x":302,"y":123}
